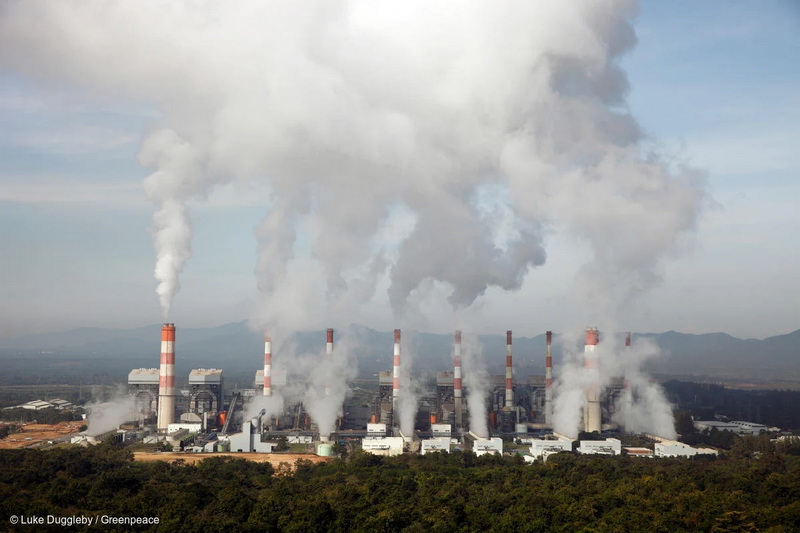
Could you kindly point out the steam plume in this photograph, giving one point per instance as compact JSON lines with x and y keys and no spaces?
{"x":487,"y":123}
{"x":477,"y":382}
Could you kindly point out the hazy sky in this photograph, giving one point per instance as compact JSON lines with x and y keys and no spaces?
{"x":714,"y":87}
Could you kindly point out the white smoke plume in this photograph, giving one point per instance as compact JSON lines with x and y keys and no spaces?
{"x":477,"y":384}
{"x":410,"y":388}
{"x":108,"y":415}
{"x":353,"y":110}
{"x":317,"y":381}
{"x":648,"y":412}
{"x":328,"y":385}
{"x":271,"y":405}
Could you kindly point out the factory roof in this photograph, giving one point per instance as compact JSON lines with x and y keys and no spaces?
{"x":205,"y":375}
{"x":385,"y":377}
{"x":444,"y":379}
{"x":143,"y":376}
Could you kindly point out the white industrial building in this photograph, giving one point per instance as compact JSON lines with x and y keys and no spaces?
{"x":205,"y":390}
{"x":441,"y":430}
{"x":749,"y":428}
{"x":376,"y":430}
{"x":673,"y":449}
{"x":600,"y":447}
{"x":387,"y":446}
{"x":249,"y":440}
{"x":484,"y":446}
{"x":740,"y":427}
{"x":191,"y":427}
{"x":540,"y":446}
{"x":143,"y":386}
{"x":441,"y":444}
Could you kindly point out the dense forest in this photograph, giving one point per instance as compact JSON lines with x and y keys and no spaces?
{"x":704,"y":400}
{"x":745,"y":491}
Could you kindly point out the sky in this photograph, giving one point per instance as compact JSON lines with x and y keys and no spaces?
{"x":98,"y":132}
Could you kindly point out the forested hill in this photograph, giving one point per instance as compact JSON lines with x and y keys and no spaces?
{"x":435,"y":492}
{"x":238,"y":351}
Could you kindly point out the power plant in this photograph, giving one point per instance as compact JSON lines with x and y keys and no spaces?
{"x":513,"y":407}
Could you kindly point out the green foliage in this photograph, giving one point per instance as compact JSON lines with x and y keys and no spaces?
{"x":8,"y":429}
{"x":747,"y":491}
{"x":50,"y":415}
{"x":281,"y":444}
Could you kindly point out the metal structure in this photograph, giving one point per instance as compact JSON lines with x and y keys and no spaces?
{"x":205,"y":391}
{"x":143,"y":386}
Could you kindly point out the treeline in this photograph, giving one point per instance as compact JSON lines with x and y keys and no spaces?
{"x":704,"y":400}
{"x":50,"y":415}
{"x":435,"y":492}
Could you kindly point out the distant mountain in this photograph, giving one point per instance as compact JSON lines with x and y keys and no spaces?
{"x":97,"y":354}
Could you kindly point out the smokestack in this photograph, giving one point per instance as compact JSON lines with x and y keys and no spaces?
{"x":396,"y":372}
{"x":627,"y":394}
{"x":329,"y":353}
{"x":509,"y":370}
{"x":457,"y":380}
{"x":548,"y":381}
{"x":591,"y":413}
{"x":166,"y":379}
{"x":267,"y":365}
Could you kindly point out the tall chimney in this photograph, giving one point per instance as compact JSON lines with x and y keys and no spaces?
{"x":166,"y":379}
{"x":267,"y":365}
{"x":591,"y":413}
{"x":396,"y":372}
{"x":548,"y":381}
{"x":459,"y":408}
{"x":328,"y":354}
{"x":627,"y":394}
{"x":509,"y":371}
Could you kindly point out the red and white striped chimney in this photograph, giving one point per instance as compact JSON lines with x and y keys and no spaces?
{"x":591,"y":414}
{"x":509,"y":373}
{"x":396,"y":371}
{"x":459,"y":408}
{"x":548,"y":381}
{"x":166,"y":379}
{"x":267,"y":365}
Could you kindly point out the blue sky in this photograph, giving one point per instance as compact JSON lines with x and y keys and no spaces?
{"x":715,"y":84}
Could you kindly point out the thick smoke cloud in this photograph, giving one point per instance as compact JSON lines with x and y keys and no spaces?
{"x":643,"y":408}
{"x":317,"y":381}
{"x":477,"y":384}
{"x":353,"y":110}
{"x":106,"y":416}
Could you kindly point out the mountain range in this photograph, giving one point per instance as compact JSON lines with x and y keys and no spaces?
{"x":104,"y":355}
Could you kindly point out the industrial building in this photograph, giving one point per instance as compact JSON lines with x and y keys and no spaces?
{"x":143,"y":386}
{"x":205,"y":391}
{"x":443,"y":417}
